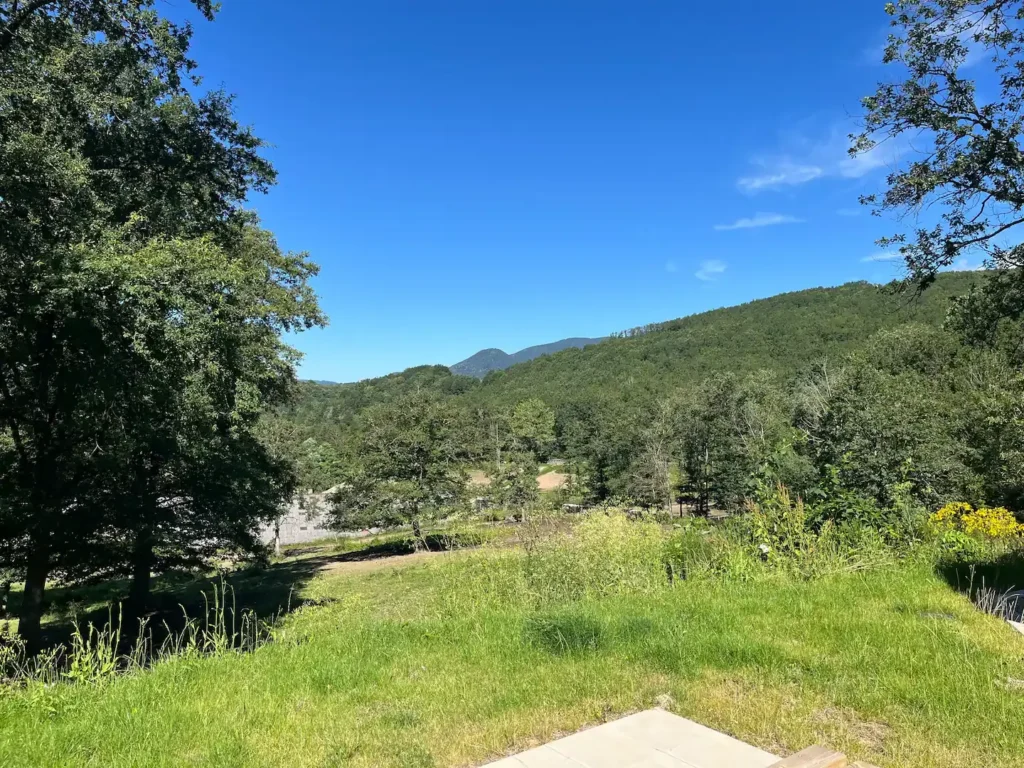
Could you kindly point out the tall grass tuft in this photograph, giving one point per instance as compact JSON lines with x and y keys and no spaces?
{"x":95,"y":654}
{"x":605,"y":554}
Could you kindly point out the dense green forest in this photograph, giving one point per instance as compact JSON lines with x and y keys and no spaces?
{"x":783,"y":333}
{"x":861,"y":393}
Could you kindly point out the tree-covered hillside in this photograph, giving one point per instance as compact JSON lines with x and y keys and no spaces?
{"x":603,"y":395}
{"x":853,"y":397}
{"x":338,"y":404}
{"x":784,"y":333}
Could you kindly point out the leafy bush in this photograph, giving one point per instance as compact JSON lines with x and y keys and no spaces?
{"x":780,"y":535}
{"x":959,"y":546}
{"x":778,"y":525}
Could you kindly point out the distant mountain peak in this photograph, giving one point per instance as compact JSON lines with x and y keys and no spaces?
{"x":494,"y":359}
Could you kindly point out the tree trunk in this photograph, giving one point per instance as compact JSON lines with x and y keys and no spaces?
{"x":32,"y":601}
{"x":5,"y":595}
{"x":142,"y":570}
{"x":417,"y":532}
{"x":277,"y":538}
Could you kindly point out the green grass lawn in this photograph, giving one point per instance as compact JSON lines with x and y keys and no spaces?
{"x":426,"y":665}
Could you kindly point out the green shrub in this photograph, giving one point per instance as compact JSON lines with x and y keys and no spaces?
{"x":778,"y":524}
{"x":783,"y":532}
{"x":958,"y":546}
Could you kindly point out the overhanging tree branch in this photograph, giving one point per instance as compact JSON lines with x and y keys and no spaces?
{"x":18,"y":20}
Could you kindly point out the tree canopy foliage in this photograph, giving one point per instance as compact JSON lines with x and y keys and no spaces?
{"x":970,"y":161}
{"x":410,"y":464}
{"x":141,"y":307}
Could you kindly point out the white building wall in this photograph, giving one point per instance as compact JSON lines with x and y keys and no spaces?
{"x":303,"y":521}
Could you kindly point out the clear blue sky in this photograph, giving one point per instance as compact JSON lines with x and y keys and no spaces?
{"x":503,"y":173}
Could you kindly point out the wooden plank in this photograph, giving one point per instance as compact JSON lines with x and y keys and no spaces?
{"x":813,"y":757}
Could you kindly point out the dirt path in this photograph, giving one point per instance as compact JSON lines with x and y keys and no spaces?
{"x":550,"y":481}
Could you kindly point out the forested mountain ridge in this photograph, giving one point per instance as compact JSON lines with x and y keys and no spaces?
{"x":487,"y":360}
{"x":784,"y":333}
{"x":323,"y":403}
{"x":724,"y":394}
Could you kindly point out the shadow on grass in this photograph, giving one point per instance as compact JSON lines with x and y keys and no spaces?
{"x":268,"y":592}
{"x":1003,"y":573}
{"x":432,"y":542}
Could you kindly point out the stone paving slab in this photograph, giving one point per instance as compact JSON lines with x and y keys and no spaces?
{"x":651,"y":739}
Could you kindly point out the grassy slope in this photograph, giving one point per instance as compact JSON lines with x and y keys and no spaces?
{"x":890,"y":666}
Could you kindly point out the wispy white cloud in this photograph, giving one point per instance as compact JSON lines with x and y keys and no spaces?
{"x":963,"y":264}
{"x":883,"y":256}
{"x":670,"y":266}
{"x":883,"y":155}
{"x":848,"y":212}
{"x":759,"y":220}
{"x":783,"y":173}
{"x":806,"y":155}
{"x":872,"y":55}
{"x":710,"y":269}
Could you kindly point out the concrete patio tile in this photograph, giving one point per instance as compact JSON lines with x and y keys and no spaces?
{"x":611,"y":749}
{"x":651,"y":739}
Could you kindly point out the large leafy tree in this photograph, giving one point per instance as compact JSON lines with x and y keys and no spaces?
{"x":959,"y":100}
{"x":101,"y":133}
{"x":203,"y":326}
{"x":514,"y":482}
{"x":121,"y":18}
{"x":532,"y":425}
{"x":733,"y":430}
{"x":893,"y":419}
{"x":958,"y":103}
{"x":411,"y":465}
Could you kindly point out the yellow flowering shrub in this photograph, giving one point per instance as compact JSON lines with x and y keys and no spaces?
{"x":948,"y":518}
{"x":995,"y":523}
